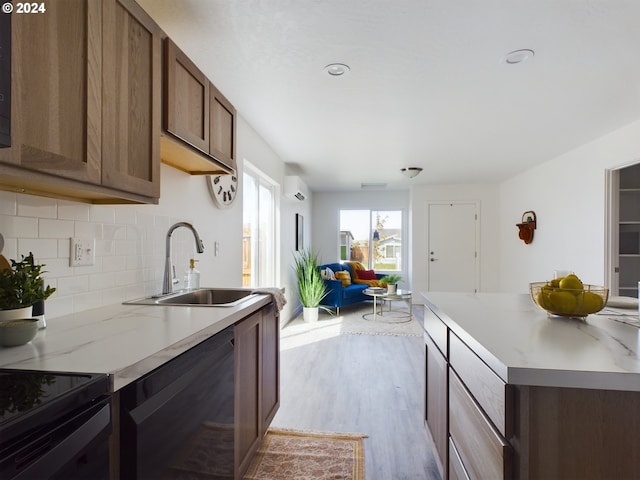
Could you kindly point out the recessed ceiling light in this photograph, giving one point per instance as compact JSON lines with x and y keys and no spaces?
{"x":337,"y":69}
{"x":518,"y":56}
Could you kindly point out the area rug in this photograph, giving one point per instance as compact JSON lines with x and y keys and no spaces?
{"x":351,"y":322}
{"x":299,"y":455}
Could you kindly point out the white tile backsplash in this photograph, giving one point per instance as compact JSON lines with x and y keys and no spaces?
{"x":8,"y":203}
{"x":42,"y":248}
{"x":32,"y":206}
{"x":102,"y":214}
{"x":48,"y":228}
{"x":73,"y":211}
{"x":130,"y":248}
{"x":18,"y":227}
{"x":73,"y":285}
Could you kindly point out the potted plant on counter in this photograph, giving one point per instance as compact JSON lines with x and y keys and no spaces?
{"x":21,"y":287}
{"x":392,"y":282}
{"x":311,"y":286}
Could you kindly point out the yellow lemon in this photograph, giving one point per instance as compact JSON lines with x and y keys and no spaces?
{"x":571,"y":282}
{"x":555,"y":282}
{"x":561,"y":302}
{"x":591,"y":303}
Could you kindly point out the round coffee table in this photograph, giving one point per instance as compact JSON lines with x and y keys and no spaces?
{"x":392,"y":316}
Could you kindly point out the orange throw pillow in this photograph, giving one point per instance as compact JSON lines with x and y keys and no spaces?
{"x":344,"y":277}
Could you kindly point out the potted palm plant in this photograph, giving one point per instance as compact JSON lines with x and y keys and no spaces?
{"x":311,"y":286}
{"x":22,"y":287}
{"x":392,"y":282}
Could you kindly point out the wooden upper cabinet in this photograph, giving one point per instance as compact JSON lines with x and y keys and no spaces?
{"x":56,"y":91}
{"x":222,"y":128}
{"x":86,"y":103}
{"x":132,"y":104}
{"x":198,"y":121}
{"x":186,"y":113}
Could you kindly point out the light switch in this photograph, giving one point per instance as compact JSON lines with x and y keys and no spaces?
{"x":83,"y":252}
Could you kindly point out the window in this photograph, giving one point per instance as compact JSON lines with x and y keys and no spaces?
{"x":259,"y":249}
{"x":372,"y":237}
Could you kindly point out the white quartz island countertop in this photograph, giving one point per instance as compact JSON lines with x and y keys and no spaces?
{"x":125,"y":341}
{"x":524,"y":346}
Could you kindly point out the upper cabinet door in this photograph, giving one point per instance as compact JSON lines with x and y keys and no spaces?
{"x":222,"y":128}
{"x":56,"y":97}
{"x":187,"y":99}
{"x":131,"y":99}
{"x":198,"y":122}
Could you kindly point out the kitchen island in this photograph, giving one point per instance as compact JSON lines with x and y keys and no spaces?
{"x":512,"y":393}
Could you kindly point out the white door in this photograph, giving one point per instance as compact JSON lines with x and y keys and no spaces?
{"x":453,"y":252}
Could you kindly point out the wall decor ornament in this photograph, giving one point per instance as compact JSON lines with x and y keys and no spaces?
{"x":527,"y":226}
{"x":299,"y":232}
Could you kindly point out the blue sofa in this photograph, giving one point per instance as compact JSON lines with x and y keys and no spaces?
{"x":340,"y":296}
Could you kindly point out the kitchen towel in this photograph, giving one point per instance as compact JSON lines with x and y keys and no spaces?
{"x":276,"y":293}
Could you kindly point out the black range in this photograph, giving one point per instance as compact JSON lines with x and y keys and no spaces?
{"x":54,"y":425}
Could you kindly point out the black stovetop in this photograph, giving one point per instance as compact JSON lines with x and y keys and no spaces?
{"x":32,"y":399}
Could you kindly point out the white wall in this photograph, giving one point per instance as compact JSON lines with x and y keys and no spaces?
{"x":568,"y":196}
{"x":326,"y":220}
{"x":487,"y":197}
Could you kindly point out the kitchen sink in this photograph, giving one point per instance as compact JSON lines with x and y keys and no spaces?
{"x":203,"y":297}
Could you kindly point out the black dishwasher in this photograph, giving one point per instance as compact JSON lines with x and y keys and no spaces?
{"x":54,"y":425}
{"x":178,"y":420}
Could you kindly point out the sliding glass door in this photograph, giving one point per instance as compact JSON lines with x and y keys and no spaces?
{"x":259,"y":248}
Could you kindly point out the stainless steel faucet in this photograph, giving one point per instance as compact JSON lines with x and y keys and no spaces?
{"x":167,"y":284}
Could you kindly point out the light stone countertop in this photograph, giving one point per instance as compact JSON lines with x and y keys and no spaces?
{"x":522,"y":345}
{"x":125,"y":341}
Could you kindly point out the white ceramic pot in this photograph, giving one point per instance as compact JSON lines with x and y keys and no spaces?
{"x":391,"y":288}
{"x":310,"y":314}
{"x":16,"y":313}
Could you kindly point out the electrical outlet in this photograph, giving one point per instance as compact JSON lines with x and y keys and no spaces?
{"x":83,"y":252}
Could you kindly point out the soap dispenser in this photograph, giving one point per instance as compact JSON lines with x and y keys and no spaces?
{"x":192,"y":276}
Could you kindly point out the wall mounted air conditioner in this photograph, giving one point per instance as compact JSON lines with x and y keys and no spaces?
{"x":294,"y":187}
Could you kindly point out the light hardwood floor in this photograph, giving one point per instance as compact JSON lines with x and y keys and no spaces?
{"x":370,"y":384}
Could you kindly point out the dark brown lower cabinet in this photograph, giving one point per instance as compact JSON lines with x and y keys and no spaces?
{"x":257,"y":367}
{"x":270,"y":366}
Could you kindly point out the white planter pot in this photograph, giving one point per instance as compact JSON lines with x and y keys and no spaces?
{"x":310,"y":314}
{"x":16,"y":313}
{"x":391,"y":288}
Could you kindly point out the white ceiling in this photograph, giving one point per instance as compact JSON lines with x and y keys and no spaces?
{"x":427,"y":85}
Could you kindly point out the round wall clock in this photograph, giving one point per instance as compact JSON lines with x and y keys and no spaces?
{"x":223,"y":189}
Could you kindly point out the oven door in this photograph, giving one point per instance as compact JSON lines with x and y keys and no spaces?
{"x":74,"y":447}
